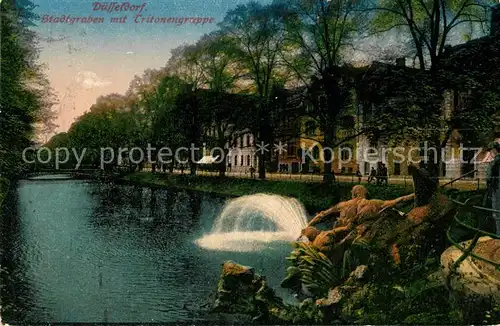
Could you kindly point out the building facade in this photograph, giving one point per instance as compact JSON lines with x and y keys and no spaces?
{"x":242,"y":154}
{"x":304,"y":141}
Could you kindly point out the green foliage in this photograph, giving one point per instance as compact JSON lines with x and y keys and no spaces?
{"x":315,"y":271}
{"x":492,"y":316}
{"x":318,"y":34}
{"x":306,"y":313}
{"x":26,"y":96}
{"x":429,"y":24}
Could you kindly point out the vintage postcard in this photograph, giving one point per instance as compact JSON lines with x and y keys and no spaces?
{"x":250,"y":162}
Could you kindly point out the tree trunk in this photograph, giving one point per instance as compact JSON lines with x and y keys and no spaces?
{"x":435,"y":167}
{"x":222,"y":167}
{"x":262,"y":165}
{"x":328,"y":174}
{"x":265,"y":136}
{"x":222,"y":164}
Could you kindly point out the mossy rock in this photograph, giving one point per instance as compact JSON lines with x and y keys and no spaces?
{"x":241,"y":290}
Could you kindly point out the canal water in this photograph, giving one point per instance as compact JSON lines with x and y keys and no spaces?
{"x":78,"y":251}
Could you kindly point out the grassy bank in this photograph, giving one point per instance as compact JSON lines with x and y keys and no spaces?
{"x":314,"y":196}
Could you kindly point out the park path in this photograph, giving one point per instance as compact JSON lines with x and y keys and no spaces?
{"x":407,"y":181}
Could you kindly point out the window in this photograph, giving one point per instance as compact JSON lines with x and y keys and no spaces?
{"x":240,"y":141}
{"x":241,"y":160}
{"x":397,"y":168}
{"x":248,"y":160}
{"x":236,"y":160}
{"x":255,"y":160}
{"x":248,"y":140}
{"x":346,"y":153}
{"x":373,"y":147}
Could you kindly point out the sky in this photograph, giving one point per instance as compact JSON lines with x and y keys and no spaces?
{"x":85,"y":60}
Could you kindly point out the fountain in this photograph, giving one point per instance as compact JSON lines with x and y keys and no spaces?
{"x":249,"y":223}
{"x":51,"y":177}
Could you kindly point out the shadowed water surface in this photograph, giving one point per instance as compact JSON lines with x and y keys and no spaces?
{"x":74,"y":251}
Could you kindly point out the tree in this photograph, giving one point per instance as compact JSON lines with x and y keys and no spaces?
{"x":216,"y":56}
{"x":393,"y":100}
{"x":141,"y":85}
{"x":431,"y":25}
{"x":185,"y":63}
{"x":22,"y":83}
{"x":166,"y":126}
{"x":191,"y":121}
{"x":224,"y":116}
{"x":476,"y":88}
{"x":110,"y":123}
{"x":318,"y":34}
{"x":257,"y":34}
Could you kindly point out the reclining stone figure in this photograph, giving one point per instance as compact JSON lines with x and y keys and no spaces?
{"x":352,"y":214}
{"x":376,"y":221}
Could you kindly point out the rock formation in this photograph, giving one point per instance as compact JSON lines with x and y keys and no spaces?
{"x":241,"y":290}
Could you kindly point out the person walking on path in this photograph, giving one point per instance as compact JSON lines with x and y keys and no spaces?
{"x":379,"y":173}
{"x":252,"y":172}
{"x":372,"y":176}
{"x":385,"y":174}
{"x":358,"y":174}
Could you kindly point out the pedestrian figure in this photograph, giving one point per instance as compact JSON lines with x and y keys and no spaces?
{"x":372,"y":176}
{"x":358,"y":174}
{"x":379,"y":173}
{"x":385,"y":174}
{"x":163,"y":167}
{"x":252,"y":171}
{"x":229,"y":167}
{"x":182,"y":168}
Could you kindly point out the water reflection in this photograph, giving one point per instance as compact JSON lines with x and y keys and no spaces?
{"x":83,"y":252}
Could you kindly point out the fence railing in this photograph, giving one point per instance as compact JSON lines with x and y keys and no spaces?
{"x":482,"y":214}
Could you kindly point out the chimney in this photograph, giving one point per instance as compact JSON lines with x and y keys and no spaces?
{"x":495,"y":20}
{"x":401,"y":62}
